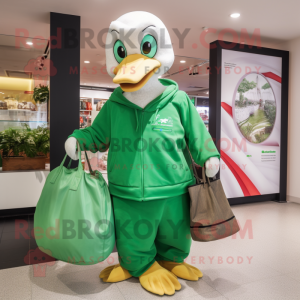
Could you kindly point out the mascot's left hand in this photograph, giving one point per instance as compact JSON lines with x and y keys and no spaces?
{"x":212,"y":166}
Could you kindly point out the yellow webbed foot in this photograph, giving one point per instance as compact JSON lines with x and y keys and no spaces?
{"x":114,"y":274}
{"x":182,"y":270}
{"x":160,"y":281}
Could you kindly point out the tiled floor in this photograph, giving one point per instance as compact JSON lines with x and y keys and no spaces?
{"x":15,"y":244}
{"x":262,"y":264}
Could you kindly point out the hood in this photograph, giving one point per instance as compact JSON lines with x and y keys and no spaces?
{"x":157,"y":103}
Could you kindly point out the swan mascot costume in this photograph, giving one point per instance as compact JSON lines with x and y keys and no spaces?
{"x":146,"y":124}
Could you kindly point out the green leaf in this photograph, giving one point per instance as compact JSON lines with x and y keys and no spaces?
{"x":41,"y":93}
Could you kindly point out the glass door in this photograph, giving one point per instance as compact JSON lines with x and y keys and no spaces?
{"x":24,"y":102}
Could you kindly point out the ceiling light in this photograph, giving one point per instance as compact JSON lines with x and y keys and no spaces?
{"x":159,"y":76}
{"x":206,"y":92}
{"x":29,"y":43}
{"x":182,"y":61}
{"x":235,"y":15}
{"x":86,"y":61}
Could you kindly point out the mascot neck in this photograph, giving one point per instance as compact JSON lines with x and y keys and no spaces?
{"x":152,"y":89}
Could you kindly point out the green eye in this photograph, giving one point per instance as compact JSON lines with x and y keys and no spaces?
{"x":149,"y":46}
{"x":119,"y":51}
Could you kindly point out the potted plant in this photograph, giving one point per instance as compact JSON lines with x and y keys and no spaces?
{"x":41,"y":94}
{"x":24,"y":149}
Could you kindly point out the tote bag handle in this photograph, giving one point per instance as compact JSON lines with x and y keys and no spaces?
{"x":205,"y":179}
{"x":78,"y":173}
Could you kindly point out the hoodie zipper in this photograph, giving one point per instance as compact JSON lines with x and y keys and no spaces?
{"x":142,"y":155}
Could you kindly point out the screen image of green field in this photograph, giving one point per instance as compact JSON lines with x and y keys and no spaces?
{"x":255,"y":108}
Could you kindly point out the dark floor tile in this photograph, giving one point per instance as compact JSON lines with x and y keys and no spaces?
{"x":2,"y":224}
{"x":32,"y":244}
{"x":14,"y":254}
{"x":31,"y":224}
{"x":12,"y":224}
{"x":9,"y":223}
{"x":12,"y":264}
{"x":13,"y":243}
{"x":12,"y":235}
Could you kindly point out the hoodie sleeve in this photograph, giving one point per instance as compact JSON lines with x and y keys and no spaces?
{"x":197,"y":136}
{"x":96,"y":137}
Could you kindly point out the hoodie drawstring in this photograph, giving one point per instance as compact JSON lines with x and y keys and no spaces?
{"x":137,"y":120}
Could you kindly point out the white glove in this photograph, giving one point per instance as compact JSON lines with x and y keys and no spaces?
{"x":212,"y":166}
{"x":70,"y":146}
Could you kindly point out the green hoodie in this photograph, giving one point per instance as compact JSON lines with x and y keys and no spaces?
{"x":147,"y":157}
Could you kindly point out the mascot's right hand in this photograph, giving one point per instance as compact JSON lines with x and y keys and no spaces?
{"x":71,"y":149}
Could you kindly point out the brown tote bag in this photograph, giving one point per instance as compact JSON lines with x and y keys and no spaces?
{"x":211,"y":216}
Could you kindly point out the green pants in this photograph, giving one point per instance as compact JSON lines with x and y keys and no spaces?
{"x":150,"y":231}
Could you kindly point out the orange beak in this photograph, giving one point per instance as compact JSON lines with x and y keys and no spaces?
{"x":134,"y":71}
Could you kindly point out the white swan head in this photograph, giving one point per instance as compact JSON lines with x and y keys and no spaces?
{"x":138,"y":47}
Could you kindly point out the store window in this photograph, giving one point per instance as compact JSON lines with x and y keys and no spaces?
{"x":24,"y":104}
{"x":89,"y":109}
{"x":202,"y":106}
{"x":85,"y":112}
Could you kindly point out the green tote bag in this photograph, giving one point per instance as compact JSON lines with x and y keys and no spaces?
{"x":74,"y":216}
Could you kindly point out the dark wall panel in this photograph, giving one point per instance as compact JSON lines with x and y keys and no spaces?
{"x":64,"y":83}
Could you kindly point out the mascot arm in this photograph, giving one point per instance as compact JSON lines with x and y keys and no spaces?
{"x":93,"y":138}
{"x":200,"y":143}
